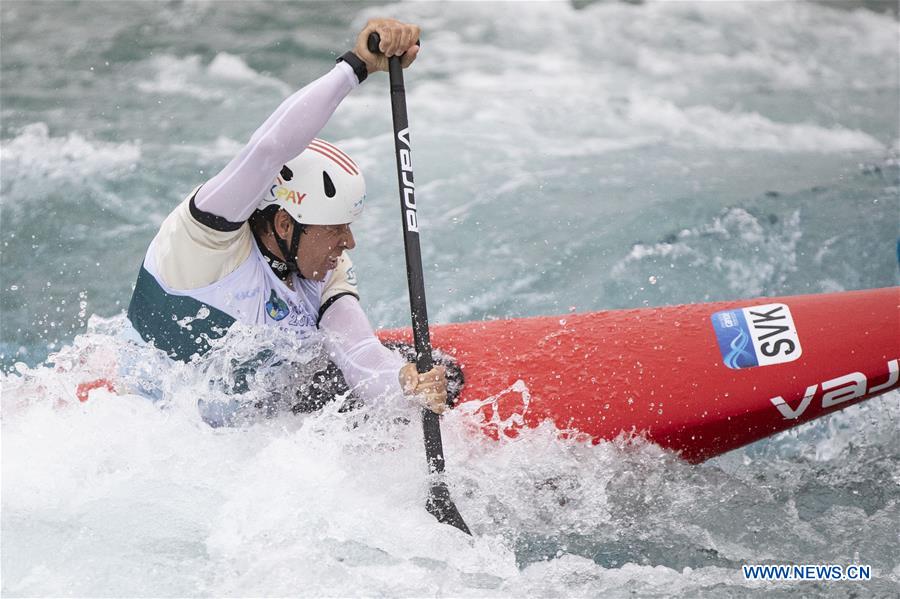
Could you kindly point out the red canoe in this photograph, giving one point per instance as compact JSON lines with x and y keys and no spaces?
{"x":699,"y":379}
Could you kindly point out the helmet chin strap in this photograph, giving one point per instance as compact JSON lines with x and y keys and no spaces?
{"x":283,"y":267}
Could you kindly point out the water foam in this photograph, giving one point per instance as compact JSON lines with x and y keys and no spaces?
{"x":762,"y":252}
{"x":331,"y":503}
{"x":34,"y":155}
{"x":191,"y":76}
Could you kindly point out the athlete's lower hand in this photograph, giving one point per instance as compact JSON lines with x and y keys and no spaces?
{"x":430,"y":387}
{"x":397,"y":39}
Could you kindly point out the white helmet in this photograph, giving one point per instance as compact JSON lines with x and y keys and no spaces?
{"x":321,"y":186}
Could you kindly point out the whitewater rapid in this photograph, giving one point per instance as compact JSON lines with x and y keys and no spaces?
{"x":569,"y":157}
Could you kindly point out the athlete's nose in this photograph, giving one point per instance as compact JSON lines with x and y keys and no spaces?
{"x":349,"y":242}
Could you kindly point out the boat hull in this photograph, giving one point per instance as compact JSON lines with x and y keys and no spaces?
{"x":699,"y":379}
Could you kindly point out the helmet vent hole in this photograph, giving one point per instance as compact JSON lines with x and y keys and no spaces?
{"x":286,"y":173}
{"x":329,"y":185}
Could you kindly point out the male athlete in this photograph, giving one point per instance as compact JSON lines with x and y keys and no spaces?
{"x":264,"y":241}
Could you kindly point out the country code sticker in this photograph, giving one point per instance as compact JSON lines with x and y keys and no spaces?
{"x":757,"y":336}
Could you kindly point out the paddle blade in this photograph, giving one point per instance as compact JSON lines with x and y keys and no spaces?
{"x":441,"y":507}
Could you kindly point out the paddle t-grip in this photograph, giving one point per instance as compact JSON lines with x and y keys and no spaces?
{"x":374,"y":42}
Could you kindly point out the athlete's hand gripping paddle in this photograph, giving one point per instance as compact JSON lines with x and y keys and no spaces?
{"x":439,"y":503}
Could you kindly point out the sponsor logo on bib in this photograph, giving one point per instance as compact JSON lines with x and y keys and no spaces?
{"x":276,"y":307}
{"x":758,"y":336}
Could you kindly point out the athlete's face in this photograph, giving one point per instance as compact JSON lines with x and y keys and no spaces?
{"x":320,"y":248}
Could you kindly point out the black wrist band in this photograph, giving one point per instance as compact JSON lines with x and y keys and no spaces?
{"x":356,"y":63}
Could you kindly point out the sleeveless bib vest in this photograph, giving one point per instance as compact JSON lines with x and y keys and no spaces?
{"x":182,"y":322}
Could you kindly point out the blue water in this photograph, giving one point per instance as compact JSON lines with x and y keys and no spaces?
{"x":569,"y":157}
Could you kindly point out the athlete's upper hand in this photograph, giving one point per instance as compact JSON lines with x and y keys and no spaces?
{"x":397,"y":39}
{"x":430,"y":387}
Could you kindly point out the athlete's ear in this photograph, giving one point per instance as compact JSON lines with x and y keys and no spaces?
{"x":283,"y":223}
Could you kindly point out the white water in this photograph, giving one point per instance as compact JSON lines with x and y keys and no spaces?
{"x":609,"y":155}
{"x":122,"y":497}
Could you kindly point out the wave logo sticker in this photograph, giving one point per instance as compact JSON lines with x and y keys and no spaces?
{"x":757,"y":336}
{"x":276,"y":307}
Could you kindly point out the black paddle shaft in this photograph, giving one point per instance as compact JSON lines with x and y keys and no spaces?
{"x":439,"y":503}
